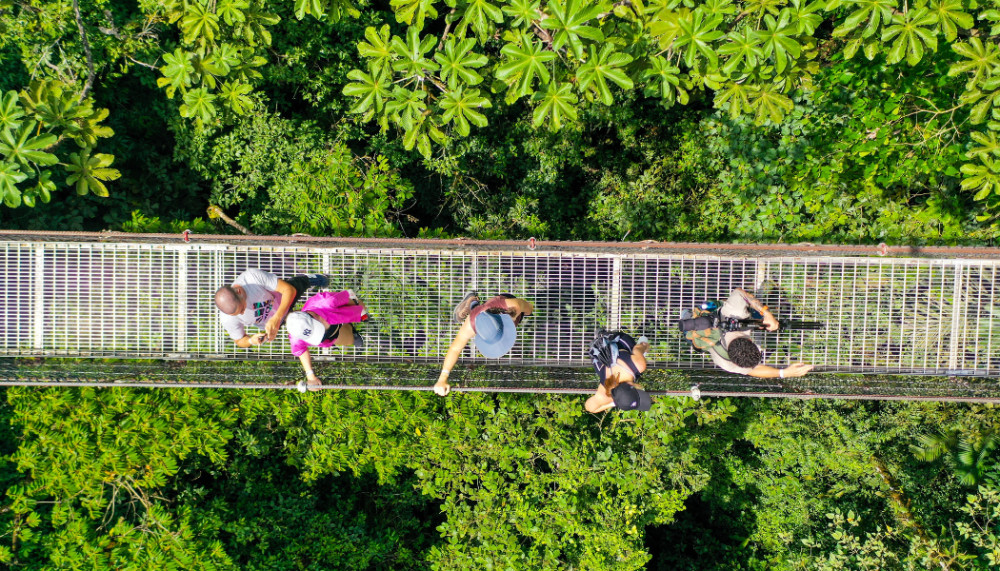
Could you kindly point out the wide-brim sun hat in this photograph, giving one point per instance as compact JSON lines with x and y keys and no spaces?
{"x":495,"y":334}
{"x":303,"y":326}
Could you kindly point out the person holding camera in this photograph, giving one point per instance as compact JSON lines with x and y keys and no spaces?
{"x":736,"y":351}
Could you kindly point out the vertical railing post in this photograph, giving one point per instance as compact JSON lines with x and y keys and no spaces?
{"x":615,"y":303}
{"x":38,"y":317}
{"x":956,"y":316}
{"x":182,"y":285}
{"x":220,"y":333}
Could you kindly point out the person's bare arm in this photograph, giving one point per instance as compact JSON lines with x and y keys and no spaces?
{"x":307,"y":365}
{"x":287,"y":292}
{"x":465,"y":333}
{"x":769,"y":372}
{"x":599,"y":401}
{"x":250,"y":340}
{"x":521,"y":306}
{"x":766,"y":316}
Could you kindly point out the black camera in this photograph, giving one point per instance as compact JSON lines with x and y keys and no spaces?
{"x":695,"y":323}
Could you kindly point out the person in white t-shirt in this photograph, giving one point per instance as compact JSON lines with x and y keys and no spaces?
{"x":258,"y":298}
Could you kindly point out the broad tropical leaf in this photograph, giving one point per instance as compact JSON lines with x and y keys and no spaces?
{"x":697,"y":34}
{"x":744,"y":51}
{"x":770,"y":104}
{"x":988,"y":145}
{"x":25,"y":149}
{"x":178,"y":72}
{"x":569,"y":18}
{"x":664,"y":81}
{"x":736,"y":96}
{"x":234,"y":96}
{"x":413,"y":12}
{"x":253,"y":29}
{"x":522,"y":65}
{"x":43,"y":190}
{"x":556,"y":104}
{"x":377,"y":49}
{"x":805,"y":16}
{"x":667,"y":26}
{"x":778,"y":41}
{"x":480,"y":15}
{"x":523,"y":12}
{"x":981,"y":60}
{"x":89,"y":129}
{"x":874,"y":11}
{"x":913,"y":31}
{"x":412,"y":63}
{"x":600,"y":69}
{"x":458,"y":62}
{"x":758,"y":8}
{"x":314,"y":7}
{"x":88,"y":172}
{"x":200,"y":104}
{"x":371,"y":88}
{"x":231,"y":11}
{"x":950,"y":17}
{"x":246,"y":71}
{"x":10,"y":112}
{"x":10,"y":176}
{"x":462,"y":107}
{"x":199,"y":23}
{"x":720,"y":7}
{"x":407,"y":107}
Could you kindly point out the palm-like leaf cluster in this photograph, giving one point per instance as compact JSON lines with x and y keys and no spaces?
{"x":559,"y":54}
{"x":34,"y":124}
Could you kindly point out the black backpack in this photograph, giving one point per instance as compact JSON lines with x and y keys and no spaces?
{"x":604,"y":349}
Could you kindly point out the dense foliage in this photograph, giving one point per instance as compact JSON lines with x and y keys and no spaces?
{"x":140,"y":479}
{"x":771,"y":120}
{"x":666,"y":120}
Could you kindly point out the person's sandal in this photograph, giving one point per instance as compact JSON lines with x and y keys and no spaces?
{"x":464,"y":307}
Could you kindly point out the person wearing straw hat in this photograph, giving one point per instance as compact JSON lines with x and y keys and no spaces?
{"x":492,"y":326}
{"x":325,"y":320}
{"x":619,"y":360}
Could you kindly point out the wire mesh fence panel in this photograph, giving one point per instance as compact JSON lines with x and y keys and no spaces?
{"x":146,"y":300}
{"x":21,"y":295}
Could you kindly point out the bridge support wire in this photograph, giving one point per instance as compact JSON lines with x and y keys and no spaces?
{"x":480,"y":378}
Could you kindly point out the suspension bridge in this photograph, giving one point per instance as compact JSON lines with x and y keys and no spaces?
{"x":899,"y":322}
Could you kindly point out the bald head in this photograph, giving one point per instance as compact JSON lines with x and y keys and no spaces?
{"x":227,"y":299}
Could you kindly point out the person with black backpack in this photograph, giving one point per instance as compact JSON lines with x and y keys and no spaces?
{"x":619,"y":360}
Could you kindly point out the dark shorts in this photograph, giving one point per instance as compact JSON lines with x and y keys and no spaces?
{"x":301,"y":284}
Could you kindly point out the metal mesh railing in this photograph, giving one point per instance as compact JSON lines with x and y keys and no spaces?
{"x":136,"y":298}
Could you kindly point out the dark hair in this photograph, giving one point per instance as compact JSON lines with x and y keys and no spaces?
{"x":744,"y":352}
{"x":227,"y":300}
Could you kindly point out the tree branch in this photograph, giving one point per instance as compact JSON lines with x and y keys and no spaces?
{"x":86,"y":49}
{"x":216,"y":212}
